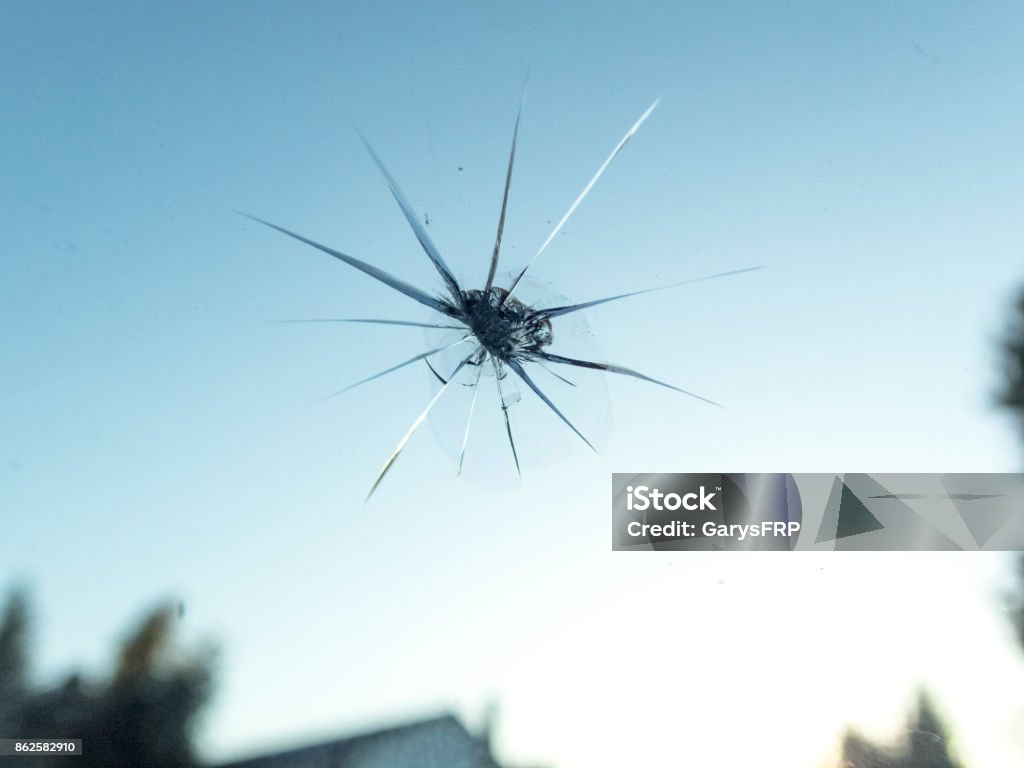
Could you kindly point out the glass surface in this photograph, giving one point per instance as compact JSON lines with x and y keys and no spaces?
{"x":179,"y":471}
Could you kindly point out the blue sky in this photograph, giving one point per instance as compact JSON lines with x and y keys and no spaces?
{"x":159,"y":435}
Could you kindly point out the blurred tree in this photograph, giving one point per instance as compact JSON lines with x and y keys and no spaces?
{"x":1012,"y":395}
{"x":142,"y":717}
{"x":149,"y":706}
{"x":925,"y":743}
{"x":14,"y":671}
{"x":1016,"y":601}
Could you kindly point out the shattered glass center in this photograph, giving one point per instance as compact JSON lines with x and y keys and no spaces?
{"x":494,"y":326}
{"x":506,"y":327}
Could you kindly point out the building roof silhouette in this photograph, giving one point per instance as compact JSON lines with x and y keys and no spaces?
{"x":438,"y":742}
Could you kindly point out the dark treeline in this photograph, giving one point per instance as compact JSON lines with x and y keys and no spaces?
{"x":140,"y":716}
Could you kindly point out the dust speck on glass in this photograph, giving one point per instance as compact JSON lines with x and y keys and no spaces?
{"x":490,"y":329}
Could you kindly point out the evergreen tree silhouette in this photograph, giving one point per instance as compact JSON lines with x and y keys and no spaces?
{"x":14,"y":672}
{"x":1012,"y":394}
{"x":925,"y":743}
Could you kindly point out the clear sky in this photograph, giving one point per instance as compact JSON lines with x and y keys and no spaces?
{"x":159,"y":435}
